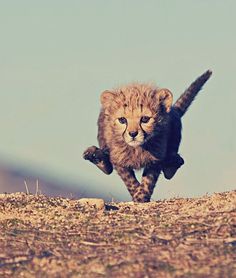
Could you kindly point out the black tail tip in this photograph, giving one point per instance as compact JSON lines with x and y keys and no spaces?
{"x":208,"y":73}
{"x":205,"y":76}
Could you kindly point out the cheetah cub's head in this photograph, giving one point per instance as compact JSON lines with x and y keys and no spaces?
{"x":135,"y":113}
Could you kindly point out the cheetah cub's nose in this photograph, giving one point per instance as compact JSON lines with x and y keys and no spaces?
{"x":133,"y":134}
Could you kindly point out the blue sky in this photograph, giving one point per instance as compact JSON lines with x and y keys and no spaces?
{"x":56,"y":57}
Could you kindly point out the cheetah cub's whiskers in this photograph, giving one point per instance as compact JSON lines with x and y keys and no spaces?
{"x":138,"y":127}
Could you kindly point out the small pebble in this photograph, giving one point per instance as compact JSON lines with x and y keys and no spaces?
{"x":92,"y":202}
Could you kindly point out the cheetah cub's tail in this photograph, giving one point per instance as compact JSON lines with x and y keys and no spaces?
{"x":184,"y":101}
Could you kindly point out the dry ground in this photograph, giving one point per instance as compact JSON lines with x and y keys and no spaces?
{"x":57,"y":237}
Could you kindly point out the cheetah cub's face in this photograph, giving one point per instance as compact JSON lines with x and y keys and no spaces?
{"x":134,"y":126}
{"x":135,"y":112}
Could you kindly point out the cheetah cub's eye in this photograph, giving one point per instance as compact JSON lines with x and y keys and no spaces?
{"x":122,"y":120}
{"x":145,"y":119}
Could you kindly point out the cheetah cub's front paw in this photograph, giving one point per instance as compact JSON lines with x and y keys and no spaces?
{"x":99,"y":158}
{"x":141,"y":196}
{"x":93,"y":154}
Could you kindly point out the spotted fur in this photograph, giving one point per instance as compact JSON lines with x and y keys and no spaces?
{"x":139,"y":128}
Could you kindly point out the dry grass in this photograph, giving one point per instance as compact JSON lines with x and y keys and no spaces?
{"x":57,"y":237}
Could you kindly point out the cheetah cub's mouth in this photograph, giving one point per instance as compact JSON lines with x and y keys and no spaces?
{"x":134,"y":143}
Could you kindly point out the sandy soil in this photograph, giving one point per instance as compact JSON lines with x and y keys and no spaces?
{"x":57,"y":237}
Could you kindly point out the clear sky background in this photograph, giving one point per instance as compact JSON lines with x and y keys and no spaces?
{"x":56,"y":57}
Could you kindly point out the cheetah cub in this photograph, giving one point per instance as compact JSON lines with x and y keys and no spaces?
{"x":138,"y":127}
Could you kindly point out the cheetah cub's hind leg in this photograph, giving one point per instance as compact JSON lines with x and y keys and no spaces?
{"x":100,"y":158}
{"x":171,"y":165}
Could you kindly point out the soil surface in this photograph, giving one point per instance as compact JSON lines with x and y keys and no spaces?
{"x":58,"y":237}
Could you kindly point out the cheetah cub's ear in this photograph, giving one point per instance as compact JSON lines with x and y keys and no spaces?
{"x":165,"y":98}
{"x":107,"y":98}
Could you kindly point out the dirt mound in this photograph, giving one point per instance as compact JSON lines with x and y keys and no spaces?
{"x":58,"y":237}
